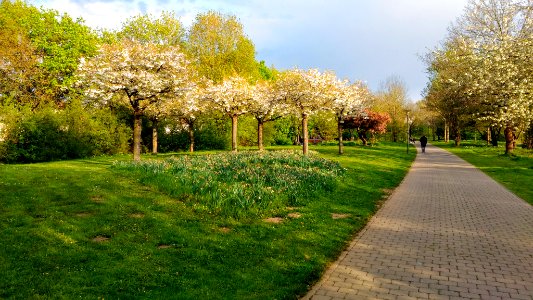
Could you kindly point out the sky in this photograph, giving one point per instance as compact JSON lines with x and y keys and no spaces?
{"x":368,"y":40}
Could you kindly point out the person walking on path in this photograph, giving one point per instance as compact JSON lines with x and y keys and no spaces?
{"x":423,"y":143}
{"x":447,"y":232}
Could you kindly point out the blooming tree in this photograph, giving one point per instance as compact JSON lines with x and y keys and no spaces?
{"x":495,"y":72}
{"x":306,"y":92}
{"x":348,"y":99}
{"x":188,"y":107}
{"x":367,"y":122}
{"x":142,"y":74}
{"x":450,"y":79}
{"x":232,"y":97}
{"x":502,"y":81}
{"x":265,"y":106}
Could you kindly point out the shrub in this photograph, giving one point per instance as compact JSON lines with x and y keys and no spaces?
{"x":51,"y":134}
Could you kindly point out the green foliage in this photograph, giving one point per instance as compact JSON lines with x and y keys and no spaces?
{"x":219,"y":47}
{"x":57,"y":43}
{"x":165,"y":30}
{"x":240,"y":185}
{"x":248,"y":132}
{"x":210,"y":133}
{"x":323,"y":125}
{"x":265,"y":72}
{"x":51,"y":134}
{"x":286,"y":131}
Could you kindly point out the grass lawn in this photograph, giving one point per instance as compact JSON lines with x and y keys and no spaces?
{"x":82,"y":229}
{"x":513,"y":171}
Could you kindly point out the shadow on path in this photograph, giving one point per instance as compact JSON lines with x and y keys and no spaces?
{"x":448,"y":231}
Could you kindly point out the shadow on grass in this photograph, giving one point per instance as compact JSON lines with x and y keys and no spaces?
{"x":78,"y":229}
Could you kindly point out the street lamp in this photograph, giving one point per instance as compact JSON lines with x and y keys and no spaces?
{"x":408,"y":125}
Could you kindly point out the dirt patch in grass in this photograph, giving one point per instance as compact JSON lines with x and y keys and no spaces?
{"x":84,"y":214}
{"x":163,"y":246}
{"x":274,"y":220}
{"x":100,"y":239}
{"x":224,"y":229}
{"x":136,"y":215}
{"x":339,"y":216}
{"x":295,"y":215}
{"x":97,"y":198}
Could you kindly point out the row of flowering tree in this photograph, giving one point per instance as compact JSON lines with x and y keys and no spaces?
{"x":159,"y":70}
{"x":159,"y":80}
{"x":483,"y":71}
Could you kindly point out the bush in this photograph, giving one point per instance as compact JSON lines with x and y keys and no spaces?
{"x":209,"y":134}
{"x":50,"y":134}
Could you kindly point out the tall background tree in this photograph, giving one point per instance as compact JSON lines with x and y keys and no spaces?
{"x":448,"y":89}
{"x":219,"y":48}
{"x":392,"y":99}
{"x":52,"y":45}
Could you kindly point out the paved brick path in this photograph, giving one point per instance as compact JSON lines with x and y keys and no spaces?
{"x":448,"y":232}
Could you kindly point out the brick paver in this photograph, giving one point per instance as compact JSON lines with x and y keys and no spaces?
{"x":447,"y":232}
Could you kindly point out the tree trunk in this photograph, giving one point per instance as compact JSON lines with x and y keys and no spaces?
{"x":339,"y":129}
{"x":494,"y":136}
{"x":509,"y":139}
{"x":305,"y":134}
{"x":137,"y":125}
{"x":191,"y":135}
{"x":260,"y":124}
{"x":234,"y":120}
{"x":154,"y":136}
{"x":446,"y":132}
{"x":488,"y":136}
{"x":528,"y":137}
{"x":363,"y":137}
{"x":457,"y":134}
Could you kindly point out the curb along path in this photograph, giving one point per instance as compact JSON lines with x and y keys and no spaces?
{"x":447,"y":232}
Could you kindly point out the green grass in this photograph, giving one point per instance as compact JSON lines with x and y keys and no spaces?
{"x":158,"y":246}
{"x":513,"y":171}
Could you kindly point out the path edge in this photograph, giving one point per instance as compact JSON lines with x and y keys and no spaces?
{"x":356,"y":237}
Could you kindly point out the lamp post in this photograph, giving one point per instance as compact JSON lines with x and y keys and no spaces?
{"x":408,"y":125}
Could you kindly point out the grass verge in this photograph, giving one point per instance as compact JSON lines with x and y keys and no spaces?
{"x":513,"y":171}
{"x":82,"y":229}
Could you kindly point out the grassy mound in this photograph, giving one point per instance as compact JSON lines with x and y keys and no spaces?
{"x":242,"y":184}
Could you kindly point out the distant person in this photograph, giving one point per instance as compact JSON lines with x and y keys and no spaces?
{"x":423,"y":143}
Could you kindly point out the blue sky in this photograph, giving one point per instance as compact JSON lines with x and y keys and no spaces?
{"x":366,"y":40}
